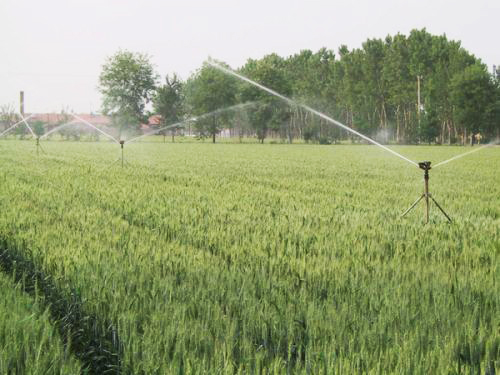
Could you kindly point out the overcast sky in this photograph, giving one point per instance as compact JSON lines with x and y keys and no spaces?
{"x":54,"y":49}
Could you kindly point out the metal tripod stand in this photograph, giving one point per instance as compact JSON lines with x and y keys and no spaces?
{"x":39,"y":146}
{"x":426,"y":166}
{"x":122,"y":159}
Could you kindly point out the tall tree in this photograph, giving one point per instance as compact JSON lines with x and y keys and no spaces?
{"x":272,"y":112}
{"x":208,"y":90}
{"x":374,"y":85}
{"x":474,"y":96}
{"x":168,"y":102}
{"x":400,"y":86}
{"x":127,"y":83}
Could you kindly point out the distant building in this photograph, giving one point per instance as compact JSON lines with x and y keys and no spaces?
{"x":52,"y":119}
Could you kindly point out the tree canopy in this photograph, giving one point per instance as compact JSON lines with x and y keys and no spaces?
{"x":209,"y":90}
{"x":127,"y":83}
{"x":169,"y":102}
{"x":403,"y":88}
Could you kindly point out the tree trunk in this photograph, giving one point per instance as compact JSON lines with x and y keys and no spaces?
{"x":449,"y":132}
{"x":214,"y":129}
{"x":397,"y":124}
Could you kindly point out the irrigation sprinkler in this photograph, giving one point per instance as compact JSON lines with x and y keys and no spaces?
{"x":121,"y":159}
{"x":122,"y":142}
{"x":426,"y":166}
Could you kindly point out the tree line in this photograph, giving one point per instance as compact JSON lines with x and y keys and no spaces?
{"x":403,"y":89}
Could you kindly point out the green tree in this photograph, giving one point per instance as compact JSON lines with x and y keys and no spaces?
{"x":206,"y":91}
{"x":429,"y":126}
{"x":169,"y":102}
{"x":38,"y":128}
{"x":127,"y":83}
{"x":272,"y":113}
{"x":400,"y":87}
{"x":474,"y":98}
{"x":374,"y":85}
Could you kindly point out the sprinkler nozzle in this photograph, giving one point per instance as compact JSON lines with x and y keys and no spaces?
{"x":425,"y":165}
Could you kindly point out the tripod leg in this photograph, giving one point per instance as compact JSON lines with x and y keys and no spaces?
{"x":113,"y":163}
{"x":413,"y":205}
{"x":438,"y":206}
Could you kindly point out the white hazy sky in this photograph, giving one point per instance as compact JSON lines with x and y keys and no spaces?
{"x":54,"y":49}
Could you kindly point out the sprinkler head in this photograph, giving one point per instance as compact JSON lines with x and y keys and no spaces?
{"x":425,"y":165}
{"x":122,"y":142}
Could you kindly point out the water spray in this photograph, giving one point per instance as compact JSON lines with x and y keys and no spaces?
{"x":16,"y":124}
{"x":56,"y":129}
{"x":426,"y":166}
{"x":307,"y":108}
{"x":96,"y":128}
{"x":464,"y":154}
{"x":28,"y":126}
{"x":194,"y":118}
{"x":122,"y":142}
{"x":37,"y":137}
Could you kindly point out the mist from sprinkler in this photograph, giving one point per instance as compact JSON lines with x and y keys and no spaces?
{"x":425,"y":165}
{"x":307,"y":108}
{"x":56,"y":129}
{"x":122,"y":142}
{"x":16,"y":124}
{"x":28,"y":126}
{"x":96,"y":128}
{"x":25,"y":122}
{"x":194,"y":118}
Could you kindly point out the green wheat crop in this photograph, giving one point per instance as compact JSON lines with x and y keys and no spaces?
{"x":223,"y":259}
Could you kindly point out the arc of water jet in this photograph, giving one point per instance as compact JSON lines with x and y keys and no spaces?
{"x":56,"y":129}
{"x":194,"y":118}
{"x":310,"y":109}
{"x":155,"y":131}
{"x":96,"y":128}
{"x":461,"y":155}
{"x":16,"y":124}
{"x":27,"y":125}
